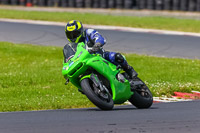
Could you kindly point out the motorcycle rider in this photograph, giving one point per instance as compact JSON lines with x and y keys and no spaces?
{"x":75,"y":34}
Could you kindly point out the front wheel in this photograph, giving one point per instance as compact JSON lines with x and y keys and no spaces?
{"x":103,"y":100}
{"x":142,"y":97}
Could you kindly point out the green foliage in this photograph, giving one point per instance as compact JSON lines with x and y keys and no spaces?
{"x":165,"y":23}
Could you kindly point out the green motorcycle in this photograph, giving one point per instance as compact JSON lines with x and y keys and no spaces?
{"x":104,"y":83}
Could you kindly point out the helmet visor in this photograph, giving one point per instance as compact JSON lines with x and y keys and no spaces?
{"x":73,"y":34}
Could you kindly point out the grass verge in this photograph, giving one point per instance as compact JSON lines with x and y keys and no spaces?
{"x":31,"y":79}
{"x":165,"y":23}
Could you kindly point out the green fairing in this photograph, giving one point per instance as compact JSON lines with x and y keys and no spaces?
{"x":77,"y":66}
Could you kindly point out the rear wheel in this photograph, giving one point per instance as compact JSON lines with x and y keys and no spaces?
{"x":142,"y":97}
{"x":103,"y":100}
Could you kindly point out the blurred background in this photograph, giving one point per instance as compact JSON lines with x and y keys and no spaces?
{"x":177,"y":5}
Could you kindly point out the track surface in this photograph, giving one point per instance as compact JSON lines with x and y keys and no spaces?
{"x":182,"y":117}
{"x":179,"y":117}
{"x":131,"y":42}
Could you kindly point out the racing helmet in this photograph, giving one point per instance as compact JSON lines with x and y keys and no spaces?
{"x":74,"y":31}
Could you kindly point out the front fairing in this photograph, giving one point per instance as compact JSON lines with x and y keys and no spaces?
{"x":75,"y":66}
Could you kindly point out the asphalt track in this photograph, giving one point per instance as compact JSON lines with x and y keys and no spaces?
{"x":127,"y":42}
{"x":180,"y":117}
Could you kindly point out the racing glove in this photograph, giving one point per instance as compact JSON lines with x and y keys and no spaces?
{"x":96,"y":47}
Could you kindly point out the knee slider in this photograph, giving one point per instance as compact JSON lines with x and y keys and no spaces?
{"x":119,"y":58}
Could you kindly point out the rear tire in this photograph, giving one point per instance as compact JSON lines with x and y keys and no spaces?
{"x":88,"y":88}
{"x":142,"y":97}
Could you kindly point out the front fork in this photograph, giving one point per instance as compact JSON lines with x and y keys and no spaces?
{"x":98,"y":83}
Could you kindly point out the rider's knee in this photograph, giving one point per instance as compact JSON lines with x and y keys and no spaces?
{"x":119,"y":58}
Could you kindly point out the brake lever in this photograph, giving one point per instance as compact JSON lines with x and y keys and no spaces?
{"x":90,"y":50}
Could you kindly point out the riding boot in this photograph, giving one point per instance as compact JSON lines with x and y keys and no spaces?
{"x":130,"y":71}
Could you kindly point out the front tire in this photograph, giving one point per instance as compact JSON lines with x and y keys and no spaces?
{"x":142,"y":97}
{"x":90,"y":91}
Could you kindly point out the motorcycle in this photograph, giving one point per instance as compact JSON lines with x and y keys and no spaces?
{"x":104,"y":83}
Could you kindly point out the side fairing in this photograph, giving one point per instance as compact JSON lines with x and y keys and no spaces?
{"x":121,"y":91}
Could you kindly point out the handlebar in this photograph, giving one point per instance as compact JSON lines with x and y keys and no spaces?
{"x":90,"y":50}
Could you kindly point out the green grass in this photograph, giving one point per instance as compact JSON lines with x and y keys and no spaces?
{"x":166,"y":23}
{"x":31,"y":79}
{"x":164,"y":76}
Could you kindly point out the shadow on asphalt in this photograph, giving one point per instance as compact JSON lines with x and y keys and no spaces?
{"x":120,"y":108}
